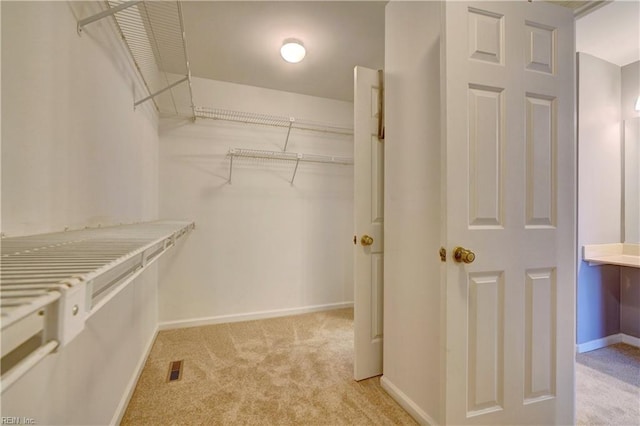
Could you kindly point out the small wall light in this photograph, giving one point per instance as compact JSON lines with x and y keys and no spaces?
{"x":638,"y":104}
{"x":292,"y":51}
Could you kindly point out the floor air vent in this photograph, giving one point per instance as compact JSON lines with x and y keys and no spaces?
{"x":175,"y":371}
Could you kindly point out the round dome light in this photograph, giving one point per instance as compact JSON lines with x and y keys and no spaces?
{"x":292,"y":51}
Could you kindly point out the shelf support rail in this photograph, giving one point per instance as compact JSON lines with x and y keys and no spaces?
{"x":187,"y":63}
{"x":153,"y":95}
{"x":109,"y":12}
{"x":231,"y":153}
{"x":296,"y":168}
{"x":286,"y":141}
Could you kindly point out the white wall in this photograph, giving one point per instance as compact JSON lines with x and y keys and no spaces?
{"x":630,"y":89}
{"x":631,"y":193}
{"x":74,"y":151}
{"x":75,"y":154}
{"x":630,"y":93}
{"x":599,"y":194}
{"x":412,"y":296}
{"x":600,"y":155}
{"x":260,"y":244}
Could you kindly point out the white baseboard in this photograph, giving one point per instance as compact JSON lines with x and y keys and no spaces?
{"x":599,"y":343}
{"x":405,"y":402}
{"x":131,"y":386}
{"x":631,"y":340}
{"x":608,"y":341}
{"x":168,"y":325}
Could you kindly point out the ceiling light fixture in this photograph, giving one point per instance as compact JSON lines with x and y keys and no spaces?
{"x":638,"y":104}
{"x":292,"y":51}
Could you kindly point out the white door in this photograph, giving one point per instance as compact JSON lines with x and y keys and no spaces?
{"x":368,"y":225}
{"x":510,"y":198}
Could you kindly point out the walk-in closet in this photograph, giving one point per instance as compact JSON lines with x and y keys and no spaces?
{"x":309,"y":212}
{"x":140,"y":194}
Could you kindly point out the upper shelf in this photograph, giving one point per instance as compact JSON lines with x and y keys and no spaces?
{"x":621,"y":254}
{"x":271,"y":120}
{"x":153,"y":32}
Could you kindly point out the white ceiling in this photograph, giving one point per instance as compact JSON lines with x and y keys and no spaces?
{"x":612,"y":32}
{"x":239,"y":42}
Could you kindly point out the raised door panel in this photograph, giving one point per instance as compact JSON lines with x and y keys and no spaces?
{"x":486,"y":135}
{"x":540,"y":45}
{"x":377,"y":293}
{"x":486,"y":36}
{"x":540,"y":335}
{"x":486,"y":343}
{"x":541,"y":176}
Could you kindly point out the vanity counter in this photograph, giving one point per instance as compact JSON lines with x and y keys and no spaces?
{"x":621,"y":254}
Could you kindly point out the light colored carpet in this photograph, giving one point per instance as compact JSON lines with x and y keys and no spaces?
{"x":608,"y":386}
{"x":291,"y":370}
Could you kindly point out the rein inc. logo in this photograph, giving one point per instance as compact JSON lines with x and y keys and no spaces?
{"x":17,"y":420}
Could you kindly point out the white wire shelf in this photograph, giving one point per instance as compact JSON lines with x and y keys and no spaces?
{"x":153,"y":33}
{"x":51,"y":283}
{"x":290,"y":123}
{"x":291,"y":157}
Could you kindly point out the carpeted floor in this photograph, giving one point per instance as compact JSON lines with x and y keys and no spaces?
{"x":298,"y":370}
{"x":608,"y":386}
{"x":291,"y":370}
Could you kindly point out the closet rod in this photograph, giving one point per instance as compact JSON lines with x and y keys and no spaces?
{"x":10,"y":377}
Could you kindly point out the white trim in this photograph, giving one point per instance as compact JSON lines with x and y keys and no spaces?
{"x":599,"y":343}
{"x":169,"y":325}
{"x":608,"y":341}
{"x":131,"y":386}
{"x":405,"y":402}
{"x":630,"y":340}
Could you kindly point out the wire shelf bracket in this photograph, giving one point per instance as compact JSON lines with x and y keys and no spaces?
{"x":153,"y":33}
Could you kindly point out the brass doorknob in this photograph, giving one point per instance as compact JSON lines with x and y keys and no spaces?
{"x":366,"y":240}
{"x":461,"y":254}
